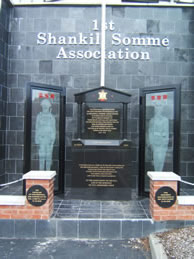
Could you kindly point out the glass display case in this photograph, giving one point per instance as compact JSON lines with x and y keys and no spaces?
{"x":44,"y":131}
{"x":159,"y":132}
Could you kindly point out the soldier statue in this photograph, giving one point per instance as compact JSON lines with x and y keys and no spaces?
{"x":159,"y":137}
{"x":45,"y":134}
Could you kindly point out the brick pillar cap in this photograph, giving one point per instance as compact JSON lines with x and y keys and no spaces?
{"x":39,"y":175}
{"x":185,"y":200}
{"x":12,"y":200}
{"x":163,"y":176}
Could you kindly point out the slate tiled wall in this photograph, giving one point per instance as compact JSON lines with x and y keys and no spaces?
{"x":29,"y":62}
{"x":4,"y":23}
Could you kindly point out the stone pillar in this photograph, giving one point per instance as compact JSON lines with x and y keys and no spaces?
{"x":158,"y":180}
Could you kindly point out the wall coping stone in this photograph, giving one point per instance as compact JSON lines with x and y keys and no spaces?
{"x":163,"y":176}
{"x":39,"y":175}
{"x":185,"y":200}
{"x":12,"y":199}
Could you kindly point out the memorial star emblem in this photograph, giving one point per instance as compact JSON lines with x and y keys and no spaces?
{"x":102,"y":96}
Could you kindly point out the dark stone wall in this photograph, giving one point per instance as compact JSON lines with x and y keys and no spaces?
{"x":29,"y":62}
{"x":4,"y":25}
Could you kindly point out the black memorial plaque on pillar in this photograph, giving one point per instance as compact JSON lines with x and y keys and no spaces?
{"x":101,"y":149}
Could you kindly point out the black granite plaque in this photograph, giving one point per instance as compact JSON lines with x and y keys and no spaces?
{"x":165,"y":197}
{"x":102,"y":121}
{"x":101,"y":167}
{"x":37,"y":195}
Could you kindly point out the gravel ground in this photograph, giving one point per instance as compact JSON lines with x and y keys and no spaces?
{"x":178,"y":243}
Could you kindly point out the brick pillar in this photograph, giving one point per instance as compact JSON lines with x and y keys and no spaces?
{"x":46,"y":180}
{"x":158,"y":180}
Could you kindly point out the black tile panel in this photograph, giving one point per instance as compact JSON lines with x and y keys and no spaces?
{"x":68,"y":25}
{"x":187,"y":14}
{"x":30,"y":38}
{"x":16,"y":66}
{"x":118,"y":12}
{"x":10,"y":166}
{"x":148,"y":227}
{"x":23,"y":79}
{"x":46,"y":228}
{"x":59,"y":67}
{"x":14,"y":25}
{"x":110,"y":229}
{"x":20,"y":108}
{"x":11,"y":137}
{"x":25,"y":228}
{"x":31,"y":66}
{"x":146,"y":13}
{"x":116,"y":68}
{"x":132,"y":12}
{"x":181,"y":55}
{"x":33,"y":12}
{"x":40,"y":24}
{"x":131,"y":229}
{"x":66,"y":81}
{"x":19,"y":166}
{"x":4,"y":27}
{"x":189,"y":222}
{"x":11,"y":109}
{"x":187,"y":126}
{"x":15,"y":152}
{"x":67,"y":228}
{"x":16,"y":123}
{"x":7,"y":228}
{"x":16,"y":95}
{"x":174,"y":224}
{"x":89,"y":229}
{"x":173,"y":69}
{"x":45,"y":66}
{"x":19,"y":12}
{"x":17,"y":38}
{"x":175,"y":14}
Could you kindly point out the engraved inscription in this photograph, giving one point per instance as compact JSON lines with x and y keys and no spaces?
{"x":101,"y":175}
{"x":37,"y":195}
{"x":165,"y":197}
{"x":102,"y":121}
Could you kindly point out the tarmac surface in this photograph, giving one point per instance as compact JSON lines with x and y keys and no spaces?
{"x":71,"y":249}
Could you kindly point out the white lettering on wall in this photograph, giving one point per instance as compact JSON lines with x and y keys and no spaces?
{"x":108,"y":26}
{"x":116,"y":39}
{"x":61,"y":53}
{"x":88,"y":54}
{"x":80,"y":39}
{"x":93,"y":39}
{"x":138,"y":41}
{"x":165,"y":42}
{"x":41,"y":38}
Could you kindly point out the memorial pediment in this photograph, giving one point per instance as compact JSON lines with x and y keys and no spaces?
{"x":102,"y":94}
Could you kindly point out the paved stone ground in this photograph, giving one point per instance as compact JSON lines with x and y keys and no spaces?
{"x":72,"y":249}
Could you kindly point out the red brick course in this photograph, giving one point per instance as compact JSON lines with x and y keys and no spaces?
{"x":176,"y":212}
{"x":28,"y":211}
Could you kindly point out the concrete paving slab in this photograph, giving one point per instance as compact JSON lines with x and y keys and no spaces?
{"x":69,"y":249}
{"x":157,"y":249}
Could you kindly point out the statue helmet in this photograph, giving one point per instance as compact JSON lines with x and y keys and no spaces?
{"x":46,"y":103}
